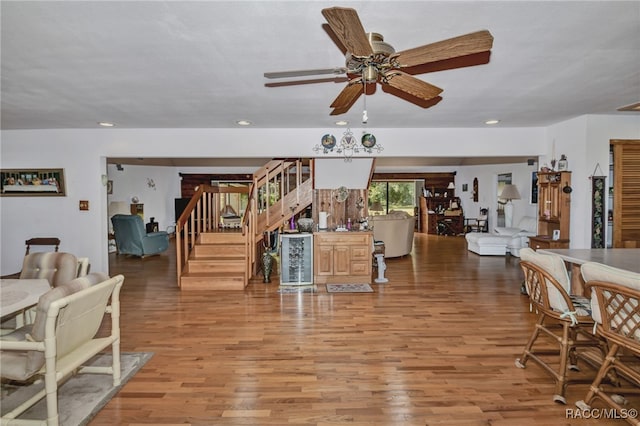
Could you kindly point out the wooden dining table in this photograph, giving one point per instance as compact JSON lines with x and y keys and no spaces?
{"x":627,"y":259}
{"x":17,"y":295}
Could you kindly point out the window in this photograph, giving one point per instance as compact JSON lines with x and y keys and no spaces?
{"x":393,"y":195}
{"x":234,"y":203}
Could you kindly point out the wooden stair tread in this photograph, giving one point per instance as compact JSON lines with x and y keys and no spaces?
{"x":211,"y":274}
{"x":216,"y":258}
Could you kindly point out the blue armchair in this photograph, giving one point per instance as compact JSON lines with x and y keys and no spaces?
{"x":131,"y":237}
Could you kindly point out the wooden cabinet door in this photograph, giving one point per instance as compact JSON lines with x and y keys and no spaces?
{"x":626,"y":193}
{"x":324,"y":260}
{"x":341,"y":260}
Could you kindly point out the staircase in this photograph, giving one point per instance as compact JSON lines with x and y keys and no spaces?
{"x":210,"y":258}
{"x":216,"y":262}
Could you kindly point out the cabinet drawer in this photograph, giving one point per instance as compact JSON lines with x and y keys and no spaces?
{"x":342,"y":238}
{"x":360,"y":252}
{"x":360,"y":268}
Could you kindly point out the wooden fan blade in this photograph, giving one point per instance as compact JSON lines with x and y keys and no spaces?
{"x":302,"y":73}
{"x":346,"y":98}
{"x":411,"y":85}
{"x":468,"y":44}
{"x":346,"y":25}
{"x":410,"y":98}
{"x":310,"y":81}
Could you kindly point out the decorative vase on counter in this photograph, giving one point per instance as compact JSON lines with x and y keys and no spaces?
{"x":269,"y":242}
{"x":267,"y":267}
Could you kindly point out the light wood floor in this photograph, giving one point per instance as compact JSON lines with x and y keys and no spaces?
{"x":435,"y":345}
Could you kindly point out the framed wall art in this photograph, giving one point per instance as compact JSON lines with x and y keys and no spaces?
{"x":598,"y":192}
{"x":32,"y":182}
{"x":534,"y":188}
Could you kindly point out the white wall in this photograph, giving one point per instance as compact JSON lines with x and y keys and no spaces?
{"x":82,"y":153}
{"x":585,"y":141}
{"x":158,"y":201}
{"x":488,"y":190}
{"x":331,"y":173}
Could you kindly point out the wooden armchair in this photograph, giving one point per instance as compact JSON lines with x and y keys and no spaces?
{"x":42,"y":241}
{"x":63,"y":338}
{"x":615,"y":297}
{"x":547,"y":282}
{"x":478,"y":224}
{"x":47,"y":241}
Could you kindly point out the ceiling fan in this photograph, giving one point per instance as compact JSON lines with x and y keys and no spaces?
{"x":370,"y":60}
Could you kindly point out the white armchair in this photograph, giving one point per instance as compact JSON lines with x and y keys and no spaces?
{"x":396,"y":231}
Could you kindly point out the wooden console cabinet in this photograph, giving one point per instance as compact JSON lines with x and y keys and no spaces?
{"x":554,"y":210}
{"x":342,"y":257}
{"x":543,"y":242}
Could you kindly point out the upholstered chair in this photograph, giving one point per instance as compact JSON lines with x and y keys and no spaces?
{"x":395,"y":230}
{"x":132,"y":238}
{"x":56,"y":267}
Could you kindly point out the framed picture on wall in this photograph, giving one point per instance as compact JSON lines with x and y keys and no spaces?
{"x":534,"y":188}
{"x":32,"y":182}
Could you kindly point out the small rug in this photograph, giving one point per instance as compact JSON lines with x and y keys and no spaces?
{"x":295,"y":289}
{"x":349,"y":288}
{"x":81,"y":397}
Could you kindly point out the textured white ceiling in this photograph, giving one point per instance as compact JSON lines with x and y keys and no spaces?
{"x":200,"y":64}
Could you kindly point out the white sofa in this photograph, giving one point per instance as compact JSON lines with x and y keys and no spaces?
{"x":395,"y":230}
{"x":503,"y":240}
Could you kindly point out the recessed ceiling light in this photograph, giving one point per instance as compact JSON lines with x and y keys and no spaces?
{"x":492,"y":122}
{"x":243,"y":122}
{"x":342,"y":123}
{"x":105,"y":124}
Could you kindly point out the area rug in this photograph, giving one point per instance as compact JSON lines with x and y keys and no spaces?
{"x":295,"y":289}
{"x":81,"y":397}
{"x":349,"y":288}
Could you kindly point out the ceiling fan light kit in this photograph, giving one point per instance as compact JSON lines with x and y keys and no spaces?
{"x":370,"y":60}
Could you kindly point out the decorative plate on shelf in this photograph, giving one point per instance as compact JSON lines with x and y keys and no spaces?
{"x":342,"y":194}
{"x":368,"y":140}
{"x":328,"y":141}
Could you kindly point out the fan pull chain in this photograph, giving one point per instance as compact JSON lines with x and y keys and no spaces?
{"x":365,"y":116}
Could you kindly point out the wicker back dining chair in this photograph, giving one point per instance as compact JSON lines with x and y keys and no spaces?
{"x":547,"y":284}
{"x":615,"y":297}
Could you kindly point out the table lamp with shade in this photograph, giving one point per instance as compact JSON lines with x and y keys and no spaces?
{"x":509,"y":192}
{"x":450,"y":186}
{"x":376,"y":207}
